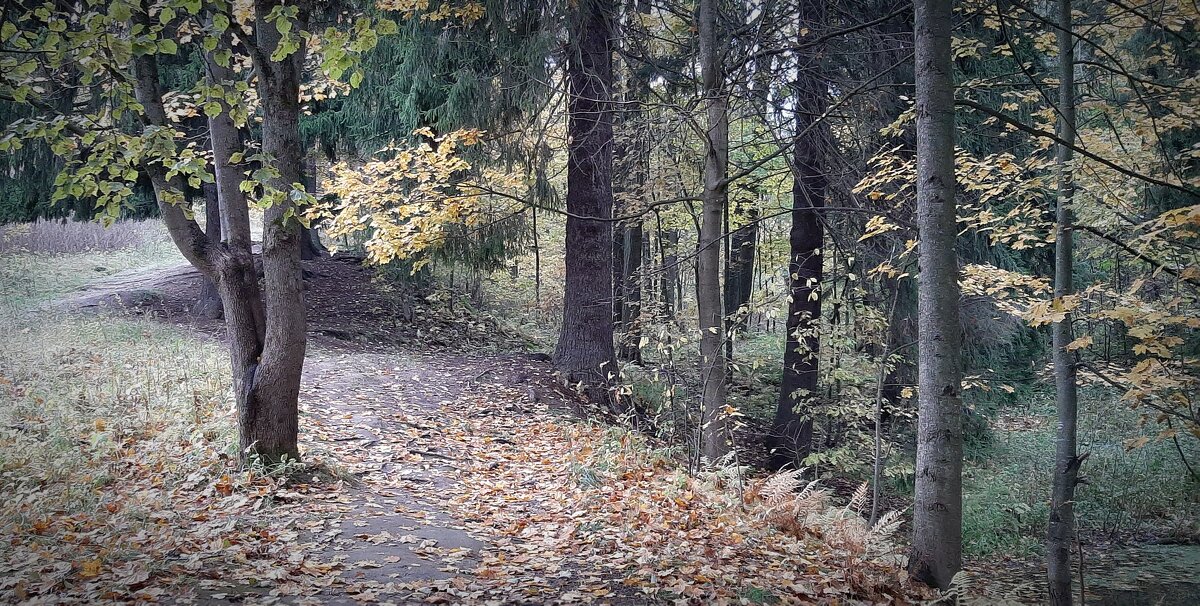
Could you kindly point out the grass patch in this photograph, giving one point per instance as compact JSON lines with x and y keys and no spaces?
{"x":1144,"y":493}
{"x":29,"y":278}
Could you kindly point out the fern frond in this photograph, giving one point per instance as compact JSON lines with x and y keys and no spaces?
{"x":807,"y":490}
{"x":779,"y":487}
{"x":886,"y":525}
{"x":858,"y":499}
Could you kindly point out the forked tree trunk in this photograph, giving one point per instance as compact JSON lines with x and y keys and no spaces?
{"x":273,"y":386}
{"x":937,"y":516}
{"x":584,"y":353}
{"x":245,"y":319}
{"x":714,"y":435}
{"x":266,"y":341}
{"x":792,"y":431}
{"x":1061,"y":529}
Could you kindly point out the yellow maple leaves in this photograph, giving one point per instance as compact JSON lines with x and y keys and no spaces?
{"x":402,"y":204}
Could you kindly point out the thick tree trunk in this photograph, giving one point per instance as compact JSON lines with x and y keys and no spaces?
{"x":584,"y":353}
{"x":714,"y":430}
{"x":245,"y":319}
{"x":272,"y":387}
{"x":792,"y":431}
{"x":937,"y":515}
{"x":1061,"y":530}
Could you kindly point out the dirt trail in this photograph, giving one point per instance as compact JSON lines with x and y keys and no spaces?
{"x":375,"y":413}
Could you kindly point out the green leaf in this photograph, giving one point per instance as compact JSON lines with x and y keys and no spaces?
{"x":386,"y":27}
{"x":220,"y":22}
{"x":166,"y":16}
{"x":356,"y":79}
{"x":212,"y":109}
{"x":167,"y":47}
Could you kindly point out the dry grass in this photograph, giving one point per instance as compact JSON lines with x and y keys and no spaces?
{"x":105,"y":424}
{"x":69,"y":237}
{"x":36,"y":267}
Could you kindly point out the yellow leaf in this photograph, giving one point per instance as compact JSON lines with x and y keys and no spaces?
{"x":89,"y":568}
{"x":1079,"y":343}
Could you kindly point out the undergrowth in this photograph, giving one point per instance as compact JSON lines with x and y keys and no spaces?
{"x":1136,"y":494}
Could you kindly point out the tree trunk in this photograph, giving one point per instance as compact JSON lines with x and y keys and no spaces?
{"x":632,"y":304}
{"x":584,"y":353}
{"x":310,"y":242}
{"x":618,"y":273}
{"x":245,"y":319}
{"x":739,"y":271}
{"x":937,"y":515}
{"x":1061,"y":530}
{"x":714,"y":431}
{"x":273,"y":385}
{"x":792,"y":431}
{"x":668,"y":242}
{"x":209,"y":304}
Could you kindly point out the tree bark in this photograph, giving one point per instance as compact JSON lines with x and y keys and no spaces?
{"x":668,"y":242}
{"x":631,"y":349}
{"x":585,"y":353}
{"x":245,"y":318}
{"x":714,"y":429}
{"x":937,"y":516}
{"x":791,"y":435}
{"x":739,"y":271}
{"x":272,"y":386}
{"x":310,"y":242}
{"x":209,"y":304}
{"x":1061,"y":530}
{"x":265,"y":403}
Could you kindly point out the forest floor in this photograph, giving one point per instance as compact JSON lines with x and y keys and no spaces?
{"x":440,"y":467}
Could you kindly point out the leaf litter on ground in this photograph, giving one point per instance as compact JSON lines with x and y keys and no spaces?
{"x":420,"y":484}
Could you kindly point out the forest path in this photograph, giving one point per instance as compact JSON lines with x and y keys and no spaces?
{"x":401,"y":423}
{"x":397,"y":429}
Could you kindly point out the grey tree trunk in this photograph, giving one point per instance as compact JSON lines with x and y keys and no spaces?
{"x":791,"y":435}
{"x":230,"y":265}
{"x":1061,"y":530}
{"x":714,"y":431}
{"x":585,"y":353}
{"x":937,"y":510}
{"x":273,"y":386}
